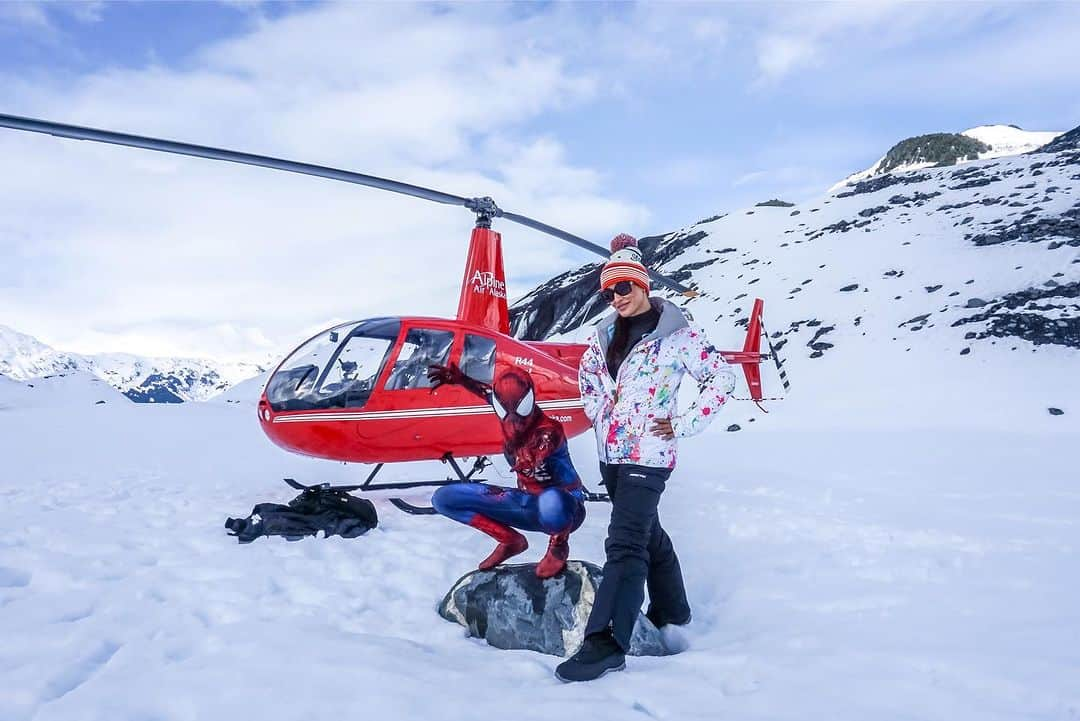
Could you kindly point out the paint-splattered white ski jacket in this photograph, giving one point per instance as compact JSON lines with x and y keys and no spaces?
{"x":646,"y":388}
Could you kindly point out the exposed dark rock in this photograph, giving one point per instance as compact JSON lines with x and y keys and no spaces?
{"x":969,"y":203}
{"x":842,"y":226}
{"x":818,"y":345}
{"x":731,"y":429}
{"x":932,"y":288}
{"x":868,"y":212}
{"x":918,"y":197}
{"x":976,"y":183}
{"x":510,"y":608}
{"x":965,"y":351}
{"x":1056,"y":411}
{"x":848,"y":288}
{"x":1003,"y":320}
{"x":1064,"y":142}
{"x":157,"y":388}
{"x":881,"y":182}
{"x":775,"y":203}
{"x":917,"y":320}
{"x":1065,"y":229}
{"x":699,"y":265}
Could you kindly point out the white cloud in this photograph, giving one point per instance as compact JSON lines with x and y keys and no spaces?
{"x":797,"y":37}
{"x":165,"y":254}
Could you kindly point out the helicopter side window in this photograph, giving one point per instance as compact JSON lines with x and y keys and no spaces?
{"x":478,"y":358}
{"x":422,"y":347}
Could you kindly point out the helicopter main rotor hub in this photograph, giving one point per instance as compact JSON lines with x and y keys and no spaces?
{"x":485,"y":210}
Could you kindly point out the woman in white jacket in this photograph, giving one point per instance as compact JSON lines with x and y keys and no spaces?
{"x":629,"y":378}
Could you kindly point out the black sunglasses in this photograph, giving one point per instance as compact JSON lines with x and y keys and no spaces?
{"x":623,"y":287}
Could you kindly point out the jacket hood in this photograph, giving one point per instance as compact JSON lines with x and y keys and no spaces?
{"x":672,"y":318}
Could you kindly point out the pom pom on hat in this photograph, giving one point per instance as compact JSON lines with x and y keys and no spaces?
{"x":623,"y":240}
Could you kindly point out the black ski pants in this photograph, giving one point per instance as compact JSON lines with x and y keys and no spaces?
{"x":639,"y":553}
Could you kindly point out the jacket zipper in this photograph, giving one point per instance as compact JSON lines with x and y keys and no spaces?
{"x":618,"y":373}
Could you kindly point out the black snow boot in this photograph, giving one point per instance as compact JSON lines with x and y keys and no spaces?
{"x":599,"y":653}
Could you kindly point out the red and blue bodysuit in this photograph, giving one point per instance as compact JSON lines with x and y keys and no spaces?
{"x":549,"y":497}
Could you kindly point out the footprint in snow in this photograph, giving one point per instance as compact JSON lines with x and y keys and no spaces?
{"x":68,"y":679}
{"x":14,"y":577}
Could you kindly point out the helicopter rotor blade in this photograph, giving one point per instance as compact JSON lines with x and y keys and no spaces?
{"x":582,"y":243}
{"x":484,"y":207}
{"x":76,"y":132}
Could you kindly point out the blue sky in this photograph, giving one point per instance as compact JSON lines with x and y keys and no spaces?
{"x":596,"y":117}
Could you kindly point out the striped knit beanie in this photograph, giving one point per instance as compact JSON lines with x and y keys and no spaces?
{"x":624,"y":264}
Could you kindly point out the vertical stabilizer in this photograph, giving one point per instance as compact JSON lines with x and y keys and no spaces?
{"x":753,"y":345}
{"x":483,"y":288}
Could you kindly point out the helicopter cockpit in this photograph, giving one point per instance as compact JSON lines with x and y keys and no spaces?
{"x":335,"y":369}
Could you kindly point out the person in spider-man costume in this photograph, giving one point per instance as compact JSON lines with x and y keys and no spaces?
{"x":549,"y":497}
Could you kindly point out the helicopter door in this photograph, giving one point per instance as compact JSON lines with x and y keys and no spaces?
{"x":478,"y":358}
{"x":421,"y":348}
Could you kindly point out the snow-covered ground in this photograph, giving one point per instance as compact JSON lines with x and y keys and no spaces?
{"x":847,"y":572}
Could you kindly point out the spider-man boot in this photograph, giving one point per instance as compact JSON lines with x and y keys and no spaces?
{"x":554,"y":561}
{"x":511,"y":543}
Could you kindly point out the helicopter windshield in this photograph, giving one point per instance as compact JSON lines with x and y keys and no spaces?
{"x":336,"y":369}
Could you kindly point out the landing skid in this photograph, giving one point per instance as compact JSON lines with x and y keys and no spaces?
{"x":479,"y":465}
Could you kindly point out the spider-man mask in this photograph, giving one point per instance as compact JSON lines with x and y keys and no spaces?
{"x":514,"y":401}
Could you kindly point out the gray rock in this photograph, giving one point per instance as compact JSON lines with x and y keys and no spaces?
{"x":975,"y":303}
{"x":1056,"y":411}
{"x":510,"y":608}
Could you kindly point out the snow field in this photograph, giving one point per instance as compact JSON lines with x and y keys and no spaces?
{"x":836,"y":573}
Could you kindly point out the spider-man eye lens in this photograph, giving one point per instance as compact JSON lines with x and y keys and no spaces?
{"x":499,"y":410}
{"x":526,"y":406}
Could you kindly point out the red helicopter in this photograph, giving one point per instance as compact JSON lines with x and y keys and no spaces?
{"x":360,"y":392}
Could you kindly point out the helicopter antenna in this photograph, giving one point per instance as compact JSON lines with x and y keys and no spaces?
{"x":484,"y":208}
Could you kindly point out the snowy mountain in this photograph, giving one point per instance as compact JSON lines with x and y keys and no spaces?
{"x":143,"y":380}
{"x":954,"y":279}
{"x":924,"y":151}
